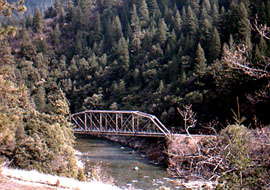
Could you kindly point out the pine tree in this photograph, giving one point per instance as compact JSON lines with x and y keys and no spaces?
{"x":57,"y":6}
{"x":177,"y":22}
{"x":98,"y":27}
{"x":200,"y":67}
{"x":184,"y":14}
{"x":215,"y":15}
{"x":23,"y":33}
{"x":143,"y":13}
{"x":154,"y":10}
{"x":123,"y":54}
{"x":191,"y":22}
{"x":136,"y":28}
{"x":263,"y":46}
{"x":205,"y":33}
{"x":56,"y":35}
{"x":267,"y":8}
{"x":207,"y":5}
{"x":194,"y":5}
{"x":244,"y":24}
{"x":215,"y":46}
{"x":257,"y":57}
{"x":147,"y":40}
{"x":37,"y":21}
{"x":203,"y":14}
{"x":78,"y":48}
{"x":40,"y":99}
{"x":231,"y":41}
{"x":117,"y":29}
{"x":162,"y":32}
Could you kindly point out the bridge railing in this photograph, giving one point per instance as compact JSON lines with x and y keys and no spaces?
{"x":130,"y":123}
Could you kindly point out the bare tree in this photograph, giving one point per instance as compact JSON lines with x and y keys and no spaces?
{"x":190,"y":121}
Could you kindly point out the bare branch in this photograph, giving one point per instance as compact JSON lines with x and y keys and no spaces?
{"x":262,"y":29}
{"x":189,"y":122}
{"x":238,"y":59}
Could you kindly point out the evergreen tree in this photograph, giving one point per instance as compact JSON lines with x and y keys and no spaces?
{"x":231,"y":42}
{"x":143,"y":13}
{"x":154,"y":10}
{"x":194,"y":5}
{"x":98,"y":27}
{"x":123,"y":54}
{"x":37,"y":21}
{"x":56,"y":35}
{"x":207,"y":5}
{"x":215,"y":46}
{"x":200,"y":67}
{"x":40,"y":99}
{"x":191,"y":22}
{"x":117,"y":29}
{"x":162,"y":32}
{"x":203,"y":14}
{"x":177,"y":21}
{"x":244,"y":24}
{"x":215,"y":14}
{"x":137,"y":34}
{"x":263,"y":46}
{"x":257,"y":57}
{"x":78,"y":44}
{"x":206,"y":34}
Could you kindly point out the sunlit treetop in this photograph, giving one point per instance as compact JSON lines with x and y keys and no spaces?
{"x":6,"y":10}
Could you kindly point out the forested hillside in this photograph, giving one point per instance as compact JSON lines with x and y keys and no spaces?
{"x":32,"y":4}
{"x":29,"y":138}
{"x":148,"y":55}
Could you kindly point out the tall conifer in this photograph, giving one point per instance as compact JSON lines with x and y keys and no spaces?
{"x":215,"y":46}
{"x":200,"y":67}
{"x":143,"y":13}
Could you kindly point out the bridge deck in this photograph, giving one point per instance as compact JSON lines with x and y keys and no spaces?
{"x":120,"y":133}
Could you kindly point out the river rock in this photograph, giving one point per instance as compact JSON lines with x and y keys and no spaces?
{"x":136,"y":168}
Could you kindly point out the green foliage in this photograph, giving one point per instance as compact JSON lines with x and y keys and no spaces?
{"x":237,"y":139}
{"x":200,"y":67}
{"x":237,"y":116}
{"x":142,"y":43}
{"x":144,"y":55}
{"x":37,"y":21}
{"x":31,"y":138}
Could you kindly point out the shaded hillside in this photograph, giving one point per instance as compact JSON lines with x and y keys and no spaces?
{"x":148,"y":55}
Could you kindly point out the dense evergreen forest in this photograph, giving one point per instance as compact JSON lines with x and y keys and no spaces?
{"x":147,"y":55}
{"x":32,"y":4}
{"x":29,"y":138}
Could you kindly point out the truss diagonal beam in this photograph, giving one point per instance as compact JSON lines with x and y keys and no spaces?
{"x":110,"y":122}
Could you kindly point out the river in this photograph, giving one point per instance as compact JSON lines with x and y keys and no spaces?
{"x":120,"y":162}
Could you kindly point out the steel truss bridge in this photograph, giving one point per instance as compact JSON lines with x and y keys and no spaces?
{"x":122,"y":123}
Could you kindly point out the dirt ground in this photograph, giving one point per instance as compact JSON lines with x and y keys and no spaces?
{"x":11,"y":184}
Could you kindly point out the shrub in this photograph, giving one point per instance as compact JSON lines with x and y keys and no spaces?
{"x":238,"y":158}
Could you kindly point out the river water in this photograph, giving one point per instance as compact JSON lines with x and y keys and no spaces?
{"x":120,"y":162}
